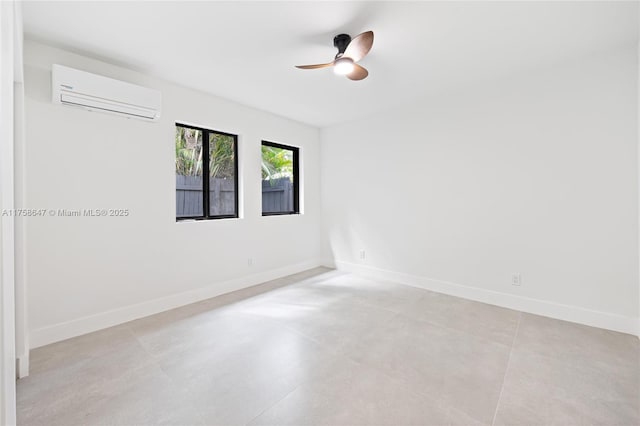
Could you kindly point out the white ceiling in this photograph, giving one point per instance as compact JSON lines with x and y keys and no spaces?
{"x":246,"y":51}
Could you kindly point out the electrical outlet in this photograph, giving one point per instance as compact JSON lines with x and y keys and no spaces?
{"x":362,"y":255}
{"x":250,"y":262}
{"x":516,"y":279}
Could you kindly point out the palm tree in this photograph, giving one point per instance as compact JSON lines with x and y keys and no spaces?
{"x":189,"y":154}
{"x":276,"y":163}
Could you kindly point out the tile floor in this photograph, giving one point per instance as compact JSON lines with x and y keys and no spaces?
{"x":324,"y":347}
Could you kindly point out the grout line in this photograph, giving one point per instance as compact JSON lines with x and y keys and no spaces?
{"x":153,"y":358}
{"x":275,"y":403}
{"x":506,"y":370}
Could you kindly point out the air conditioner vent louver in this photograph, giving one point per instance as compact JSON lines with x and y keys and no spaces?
{"x":95,"y":92}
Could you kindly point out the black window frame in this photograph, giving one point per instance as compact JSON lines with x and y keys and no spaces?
{"x":296,"y":177}
{"x":206,"y":210}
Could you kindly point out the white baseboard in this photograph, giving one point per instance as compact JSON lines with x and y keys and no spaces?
{"x":570,"y":313}
{"x":22,"y":366}
{"x":62,"y":331}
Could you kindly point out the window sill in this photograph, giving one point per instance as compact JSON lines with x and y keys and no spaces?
{"x":281,"y":214}
{"x":203,"y":219}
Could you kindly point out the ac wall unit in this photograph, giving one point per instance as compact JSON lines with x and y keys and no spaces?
{"x":97,"y":93}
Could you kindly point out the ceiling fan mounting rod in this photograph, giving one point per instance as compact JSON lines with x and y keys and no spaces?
{"x":341,"y":41}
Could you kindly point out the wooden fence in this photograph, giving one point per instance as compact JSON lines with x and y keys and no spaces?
{"x":189,"y":196}
{"x":277,"y":196}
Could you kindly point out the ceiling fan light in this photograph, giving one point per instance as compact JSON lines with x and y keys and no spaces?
{"x":343,"y":66}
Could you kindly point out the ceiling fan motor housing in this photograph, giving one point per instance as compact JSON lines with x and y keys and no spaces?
{"x":341,"y":41}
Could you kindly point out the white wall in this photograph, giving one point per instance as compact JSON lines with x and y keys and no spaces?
{"x":10,"y":66}
{"x":88,"y":273}
{"x":533,"y":174}
{"x":22,"y":337}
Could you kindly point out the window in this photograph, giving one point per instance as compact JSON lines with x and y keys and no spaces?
{"x":280,"y":181}
{"x":215,"y":197}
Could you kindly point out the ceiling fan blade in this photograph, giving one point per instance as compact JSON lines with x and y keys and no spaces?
{"x":314,"y":67}
{"x":358,"y":73}
{"x":359,"y":46}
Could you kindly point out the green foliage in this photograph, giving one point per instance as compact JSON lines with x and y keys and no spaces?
{"x":189,"y":154}
{"x":221,"y":155}
{"x":276,"y":163}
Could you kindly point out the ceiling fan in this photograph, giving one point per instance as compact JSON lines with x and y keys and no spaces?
{"x":349,"y":52}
